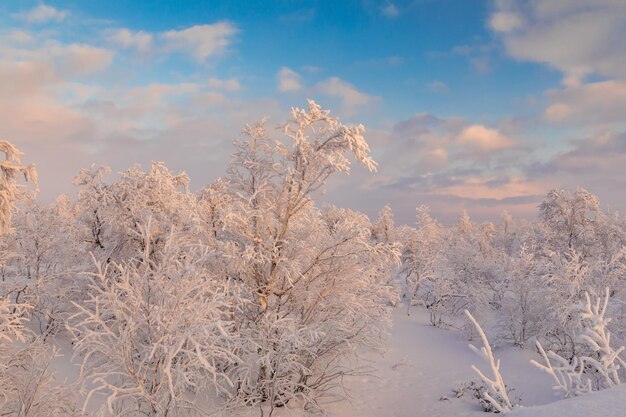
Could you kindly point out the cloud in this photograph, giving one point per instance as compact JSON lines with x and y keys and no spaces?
{"x":288,"y":80}
{"x":231,"y":84}
{"x":298,"y":17}
{"x":349,"y":96}
{"x":448,"y":163}
{"x":201,"y":41}
{"x":437,"y":86}
{"x":390,"y":10}
{"x":57,"y":109}
{"x":27,"y":70}
{"x":577,"y":37}
{"x":484,"y":139}
{"x":393,"y":61}
{"x":82,"y":59}
{"x":481,"y":65}
{"x":494,"y":188}
{"x":505,"y":22}
{"x":433,"y":152}
{"x":596,"y":163}
{"x":599,"y":103}
{"x":19,"y":37}
{"x":44,"y":13}
{"x":23,"y":79}
{"x":479,"y":55}
{"x":311,"y":69}
{"x":156,"y":93}
{"x":597,"y":156}
{"x":139,"y":40}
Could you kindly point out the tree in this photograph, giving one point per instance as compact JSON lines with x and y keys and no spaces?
{"x":10,"y":190}
{"x":111,"y":213}
{"x":524,"y":305}
{"x":153,"y":335}
{"x":572,"y":218}
{"x":46,"y":260}
{"x":312,"y":282}
{"x":27,"y":386}
{"x":383,"y":229}
{"x":422,"y":254}
{"x":597,"y":367}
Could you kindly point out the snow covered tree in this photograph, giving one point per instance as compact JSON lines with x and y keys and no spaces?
{"x":10,"y":189}
{"x":422,"y":254}
{"x":11,"y":313}
{"x":27,"y":385}
{"x":383,"y":229}
{"x":10,"y":194}
{"x":572,"y":218}
{"x":154,"y":335}
{"x":599,"y":365}
{"x":604,"y":358}
{"x":110,"y":213}
{"x":524,"y":305}
{"x":313,"y":283}
{"x":46,"y":260}
{"x":566,"y":280}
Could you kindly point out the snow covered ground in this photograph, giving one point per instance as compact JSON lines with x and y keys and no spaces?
{"x":416,"y":377}
{"x":422,"y":367}
{"x":606,"y":403}
{"x":424,"y":364}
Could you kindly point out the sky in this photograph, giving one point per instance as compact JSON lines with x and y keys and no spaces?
{"x":470,"y":105}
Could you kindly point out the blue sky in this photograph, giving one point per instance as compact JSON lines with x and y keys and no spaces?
{"x":477,"y":105}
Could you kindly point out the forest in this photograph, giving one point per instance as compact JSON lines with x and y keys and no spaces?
{"x":250,"y":296}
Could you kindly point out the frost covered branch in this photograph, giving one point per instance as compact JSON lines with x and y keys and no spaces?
{"x":496,"y":392}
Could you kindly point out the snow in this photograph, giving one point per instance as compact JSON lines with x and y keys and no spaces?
{"x":424,"y":364}
{"x":606,"y":403}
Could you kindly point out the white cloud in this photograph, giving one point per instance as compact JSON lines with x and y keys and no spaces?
{"x":350,"y":97}
{"x":20,"y":36}
{"x":231,"y":84}
{"x":490,"y":188}
{"x":311,"y":69}
{"x":437,"y":86}
{"x":390,"y":10}
{"x":140,"y":40}
{"x":44,"y":13}
{"x":78,"y":59}
{"x":448,"y":164}
{"x":288,"y":80}
{"x":593,"y":104}
{"x":484,"y":139}
{"x":428,"y":144}
{"x":157,"y":92}
{"x":577,"y":37}
{"x":505,"y":21}
{"x":60,"y":61}
{"x":201,"y":41}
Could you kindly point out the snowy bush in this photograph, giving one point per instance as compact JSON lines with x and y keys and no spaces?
{"x":27,"y":385}
{"x":522,"y":315}
{"x":110,"y":213}
{"x":599,"y":366}
{"x":496,"y":392}
{"x":153,"y":336}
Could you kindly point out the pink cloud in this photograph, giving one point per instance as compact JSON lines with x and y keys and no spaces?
{"x":484,"y":139}
{"x":598,"y":103}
